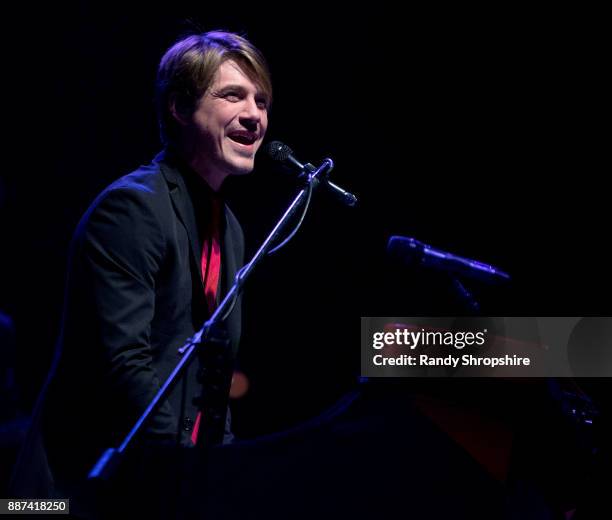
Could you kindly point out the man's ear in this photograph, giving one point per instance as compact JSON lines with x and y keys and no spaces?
{"x":180,"y":108}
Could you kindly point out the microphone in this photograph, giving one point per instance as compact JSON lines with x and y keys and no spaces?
{"x":409,"y":251}
{"x":280,"y":152}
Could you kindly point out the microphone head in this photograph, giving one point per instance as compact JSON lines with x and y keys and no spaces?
{"x":278,"y":151}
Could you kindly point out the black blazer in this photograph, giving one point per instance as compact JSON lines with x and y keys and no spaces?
{"x":134,"y":294}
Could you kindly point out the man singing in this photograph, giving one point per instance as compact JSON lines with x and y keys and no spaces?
{"x":149,"y":262}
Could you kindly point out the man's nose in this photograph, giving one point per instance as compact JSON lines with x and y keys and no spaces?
{"x":251,"y":115}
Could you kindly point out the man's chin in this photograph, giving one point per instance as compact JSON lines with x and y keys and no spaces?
{"x":242,"y":167}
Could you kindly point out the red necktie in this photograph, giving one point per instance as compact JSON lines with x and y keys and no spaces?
{"x":211,"y":267}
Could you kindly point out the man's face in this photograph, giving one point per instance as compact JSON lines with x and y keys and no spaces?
{"x":229,"y":124}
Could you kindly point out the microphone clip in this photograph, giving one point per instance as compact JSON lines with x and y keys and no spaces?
{"x":311,"y":174}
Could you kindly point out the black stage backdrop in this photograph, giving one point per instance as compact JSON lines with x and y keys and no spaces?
{"x":479,"y":132}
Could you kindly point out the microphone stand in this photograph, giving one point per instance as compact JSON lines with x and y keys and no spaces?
{"x":210,"y":334}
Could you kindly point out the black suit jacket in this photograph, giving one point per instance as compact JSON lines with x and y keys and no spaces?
{"x":134,"y":294}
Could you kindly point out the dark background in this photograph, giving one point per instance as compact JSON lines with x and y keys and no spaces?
{"x":480,"y":132}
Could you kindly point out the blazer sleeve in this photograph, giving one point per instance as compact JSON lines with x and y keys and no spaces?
{"x":121,"y":251}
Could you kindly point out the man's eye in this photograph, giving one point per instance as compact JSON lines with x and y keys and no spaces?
{"x":262,"y":104}
{"x":232,"y":96}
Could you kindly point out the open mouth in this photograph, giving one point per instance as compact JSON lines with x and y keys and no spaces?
{"x":244,"y":138}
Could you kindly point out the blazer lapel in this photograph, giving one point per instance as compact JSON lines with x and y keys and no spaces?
{"x":233,"y":254}
{"x":229,"y":267}
{"x":183,"y":206}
